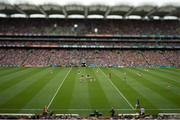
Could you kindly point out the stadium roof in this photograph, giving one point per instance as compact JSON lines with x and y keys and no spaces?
{"x":47,"y":8}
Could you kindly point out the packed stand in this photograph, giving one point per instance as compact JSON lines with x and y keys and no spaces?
{"x":87,"y":43}
{"x":74,"y":57}
{"x":53,"y":116}
{"x":42,"y":26}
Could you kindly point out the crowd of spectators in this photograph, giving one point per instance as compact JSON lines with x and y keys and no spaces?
{"x":23,"y":42}
{"x":89,"y":43}
{"x":75,"y":57}
{"x":99,"y":57}
{"x":41,"y":57}
{"x":88,"y":26}
{"x":77,"y":117}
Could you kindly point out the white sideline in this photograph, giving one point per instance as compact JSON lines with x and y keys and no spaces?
{"x":173,"y":109}
{"x":58,"y":89}
{"x":119,"y":91}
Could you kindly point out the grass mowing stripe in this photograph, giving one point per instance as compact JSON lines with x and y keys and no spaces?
{"x":114,"y":99}
{"x":174,"y":77}
{"x":163,"y":76}
{"x":118,"y":91}
{"x":129,"y":87}
{"x":156,"y":90}
{"x":80,"y":91}
{"x":12,"y":75}
{"x":152,"y":98}
{"x":98,"y":97}
{"x":21,"y":99}
{"x":64,"y":96}
{"x":8,"y":71}
{"x":13,"y":90}
{"x":43,"y":96}
{"x":169,"y":70}
{"x":7,"y":68}
{"x":58,"y":89}
{"x":176,"y":70}
{"x":159,"y":78}
{"x":80,"y":94}
{"x":8,"y":97}
{"x":165,"y":84}
{"x":158,"y":75}
{"x":18,"y":78}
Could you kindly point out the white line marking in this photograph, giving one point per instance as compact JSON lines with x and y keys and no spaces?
{"x":97,"y":109}
{"x":58,"y":89}
{"x":119,"y":91}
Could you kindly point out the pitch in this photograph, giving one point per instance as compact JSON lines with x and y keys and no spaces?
{"x":83,"y":90}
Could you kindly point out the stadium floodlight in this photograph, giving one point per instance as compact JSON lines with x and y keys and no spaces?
{"x":170,"y":17}
{"x":156,"y":17}
{"x":75,"y":25}
{"x":56,"y":16}
{"x":3,"y":15}
{"x":55,"y":25}
{"x":96,"y":30}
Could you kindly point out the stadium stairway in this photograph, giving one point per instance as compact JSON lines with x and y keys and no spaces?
{"x":144,"y":58}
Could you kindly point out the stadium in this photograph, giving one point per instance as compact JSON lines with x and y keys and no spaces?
{"x":89,"y":59}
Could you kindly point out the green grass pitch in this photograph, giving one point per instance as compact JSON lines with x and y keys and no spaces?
{"x":64,"y":90}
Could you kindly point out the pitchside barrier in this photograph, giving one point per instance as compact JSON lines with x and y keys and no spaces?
{"x":10,"y":65}
{"x":91,"y":65}
{"x":24,"y":114}
{"x":170,"y":115}
{"x":128,"y":114}
{"x":72,"y":115}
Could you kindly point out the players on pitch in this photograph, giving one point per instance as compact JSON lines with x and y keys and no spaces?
{"x":88,"y":78}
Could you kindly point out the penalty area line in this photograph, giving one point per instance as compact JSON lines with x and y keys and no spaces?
{"x":58,"y":89}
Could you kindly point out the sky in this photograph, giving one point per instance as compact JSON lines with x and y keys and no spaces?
{"x":92,"y":2}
